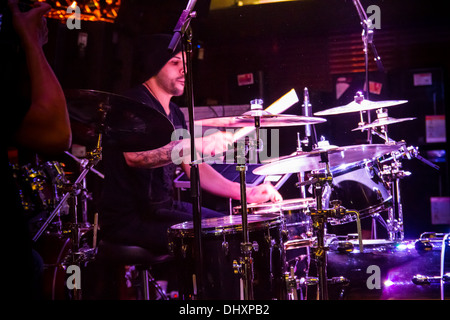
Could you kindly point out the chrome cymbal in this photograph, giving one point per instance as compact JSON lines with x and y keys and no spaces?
{"x":363,"y":105}
{"x":266,"y":120}
{"x":307,"y":161}
{"x":382,"y":122}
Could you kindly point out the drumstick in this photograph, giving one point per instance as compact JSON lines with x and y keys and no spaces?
{"x":277,"y":107}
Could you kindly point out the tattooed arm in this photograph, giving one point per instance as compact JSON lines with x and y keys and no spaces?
{"x":158,"y":157}
{"x":178,"y":151}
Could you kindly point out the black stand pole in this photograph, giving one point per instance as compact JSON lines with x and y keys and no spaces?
{"x":183,"y":31}
{"x":367,"y":38}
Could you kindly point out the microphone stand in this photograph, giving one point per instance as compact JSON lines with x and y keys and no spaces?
{"x":183,"y":31}
{"x":367,"y":38}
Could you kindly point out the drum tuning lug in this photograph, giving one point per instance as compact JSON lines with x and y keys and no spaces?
{"x":237,"y":267}
{"x":225,"y":248}
{"x":336,"y":203}
{"x":246,"y":248}
{"x":310,"y":281}
{"x":255,"y":246}
{"x":184,"y":248}
{"x":171,"y":247}
{"x":285,"y":235}
{"x":339,"y":280}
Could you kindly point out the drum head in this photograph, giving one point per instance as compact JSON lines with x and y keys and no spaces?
{"x":227,"y":224}
{"x":276,"y":207}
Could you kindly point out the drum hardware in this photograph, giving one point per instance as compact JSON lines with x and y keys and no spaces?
{"x":429,"y":241}
{"x":408,"y":152}
{"x":267,"y":119}
{"x":337,"y":156}
{"x":80,"y":161}
{"x":246,"y":263}
{"x":222,"y":238}
{"x":367,"y":39}
{"x":320,"y":217}
{"x":183,"y":33}
{"x":422,"y":280}
{"x":292,"y":285}
{"x":392,"y":174}
{"x":80,"y":255}
{"x":382,"y":121}
{"x":75,"y":190}
{"x":40,"y":185}
{"x":360,"y":104}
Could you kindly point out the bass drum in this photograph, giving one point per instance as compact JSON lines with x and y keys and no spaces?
{"x":221,"y":240}
{"x":358,"y":186}
{"x":386,"y":270}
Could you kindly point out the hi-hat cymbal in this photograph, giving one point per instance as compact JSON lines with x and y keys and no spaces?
{"x":382,"y":122}
{"x":266,"y":120}
{"x":133,"y":126}
{"x":363,"y":105}
{"x":308,"y":161}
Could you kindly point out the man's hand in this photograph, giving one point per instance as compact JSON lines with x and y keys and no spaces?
{"x":214,"y":144}
{"x":31,"y":26}
{"x":263,"y":193}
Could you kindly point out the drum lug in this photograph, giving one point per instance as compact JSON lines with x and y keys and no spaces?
{"x":225,"y":247}
{"x":184,"y":248}
{"x":171,"y":247}
{"x":237,"y":266}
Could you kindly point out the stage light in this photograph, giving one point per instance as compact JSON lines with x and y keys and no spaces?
{"x":90,"y":10}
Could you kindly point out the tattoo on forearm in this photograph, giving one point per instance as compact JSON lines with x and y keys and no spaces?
{"x":152,"y":158}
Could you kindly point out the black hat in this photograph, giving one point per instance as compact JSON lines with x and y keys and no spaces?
{"x":151,"y":54}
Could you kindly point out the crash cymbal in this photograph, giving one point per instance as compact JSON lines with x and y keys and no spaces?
{"x":133,"y":126}
{"x":382,"y":122}
{"x":266,"y":119}
{"x":307,"y":161}
{"x":363,"y":105}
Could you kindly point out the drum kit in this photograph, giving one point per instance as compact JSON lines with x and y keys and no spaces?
{"x":265,"y":251}
{"x":250,"y":252}
{"x":348,"y":184}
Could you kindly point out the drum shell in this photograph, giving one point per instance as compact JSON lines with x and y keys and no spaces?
{"x":220,"y":249}
{"x":358,"y":186}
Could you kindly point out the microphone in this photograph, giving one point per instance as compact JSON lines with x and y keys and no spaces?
{"x":182,"y":25}
{"x":307,"y":111}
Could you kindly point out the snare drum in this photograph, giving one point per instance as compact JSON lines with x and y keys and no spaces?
{"x":360,"y":187}
{"x":297,"y":223}
{"x":221,"y":241}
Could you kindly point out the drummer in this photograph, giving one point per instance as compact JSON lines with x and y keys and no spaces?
{"x":137,"y":205}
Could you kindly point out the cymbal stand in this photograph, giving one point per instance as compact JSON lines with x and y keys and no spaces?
{"x":245,"y":265}
{"x":78,"y":255}
{"x":319,"y":218}
{"x":367,"y":39}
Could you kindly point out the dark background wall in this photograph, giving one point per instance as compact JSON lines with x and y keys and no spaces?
{"x":289,"y":45}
